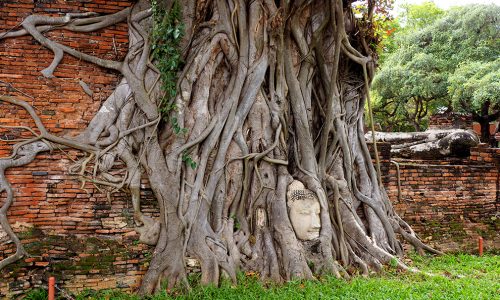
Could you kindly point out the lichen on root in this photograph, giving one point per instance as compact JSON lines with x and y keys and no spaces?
{"x":268,"y":93}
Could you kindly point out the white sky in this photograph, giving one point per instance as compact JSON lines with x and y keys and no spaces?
{"x":445,"y":4}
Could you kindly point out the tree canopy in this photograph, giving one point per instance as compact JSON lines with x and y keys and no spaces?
{"x":444,"y":59}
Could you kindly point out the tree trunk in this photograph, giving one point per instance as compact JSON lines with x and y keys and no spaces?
{"x":270,"y":95}
{"x":430,"y":144}
{"x":484,"y":121}
{"x":485,"y":129}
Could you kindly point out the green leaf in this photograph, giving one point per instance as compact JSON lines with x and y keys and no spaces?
{"x":440,"y":57}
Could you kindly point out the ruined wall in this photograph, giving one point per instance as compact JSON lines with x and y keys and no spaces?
{"x":450,"y":120}
{"x":78,"y":235}
{"x":451,"y":202}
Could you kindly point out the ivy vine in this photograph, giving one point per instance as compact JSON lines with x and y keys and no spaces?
{"x":167,"y":34}
{"x":168,"y":31}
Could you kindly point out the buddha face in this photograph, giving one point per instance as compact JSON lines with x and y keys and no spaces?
{"x":304,"y":215}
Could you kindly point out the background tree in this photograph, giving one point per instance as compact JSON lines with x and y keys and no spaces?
{"x":475,"y":89}
{"x":414,"y":80}
{"x":417,"y":16}
{"x":252,"y":97}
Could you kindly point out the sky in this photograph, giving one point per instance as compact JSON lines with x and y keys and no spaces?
{"x":445,"y":4}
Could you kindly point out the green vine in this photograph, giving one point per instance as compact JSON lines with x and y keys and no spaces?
{"x":189,"y":160}
{"x":168,"y":31}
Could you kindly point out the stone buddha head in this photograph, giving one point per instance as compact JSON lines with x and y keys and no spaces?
{"x":303,"y":210}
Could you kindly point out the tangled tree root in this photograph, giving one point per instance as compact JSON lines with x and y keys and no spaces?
{"x":268,"y":94}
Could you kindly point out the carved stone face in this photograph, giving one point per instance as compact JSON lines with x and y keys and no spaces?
{"x":304,"y":211}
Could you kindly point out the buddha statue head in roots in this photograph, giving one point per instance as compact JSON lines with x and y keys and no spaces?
{"x":304,"y":211}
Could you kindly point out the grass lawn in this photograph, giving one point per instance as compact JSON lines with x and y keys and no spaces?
{"x":459,"y":276}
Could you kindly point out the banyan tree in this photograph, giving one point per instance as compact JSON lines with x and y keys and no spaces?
{"x":247,"y":118}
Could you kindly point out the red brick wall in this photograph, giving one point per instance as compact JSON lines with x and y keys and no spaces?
{"x":450,"y":202}
{"x":76,"y":234}
{"x":450,"y":120}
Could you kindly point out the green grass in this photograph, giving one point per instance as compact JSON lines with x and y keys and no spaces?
{"x":458,"y":276}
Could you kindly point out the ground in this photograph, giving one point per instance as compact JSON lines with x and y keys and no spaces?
{"x":457,"y":276}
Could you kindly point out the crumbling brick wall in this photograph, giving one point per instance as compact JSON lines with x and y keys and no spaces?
{"x":450,"y":120}
{"x":79,"y":235}
{"x":448,"y":202}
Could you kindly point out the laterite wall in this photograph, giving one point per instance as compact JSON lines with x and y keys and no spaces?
{"x":87,"y":240}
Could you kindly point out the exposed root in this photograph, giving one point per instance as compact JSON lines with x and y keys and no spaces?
{"x":268,"y":94}
{"x":24,"y":155}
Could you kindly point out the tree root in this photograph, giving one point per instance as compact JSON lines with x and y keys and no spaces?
{"x":245,"y":102}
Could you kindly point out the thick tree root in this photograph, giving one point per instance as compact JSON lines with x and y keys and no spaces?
{"x":23,"y":155}
{"x":268,"y":94}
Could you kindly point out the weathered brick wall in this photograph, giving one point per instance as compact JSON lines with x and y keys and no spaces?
{"x":76,"y":234}
{"x":450,"y":120}
{"x":449,"y":202}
